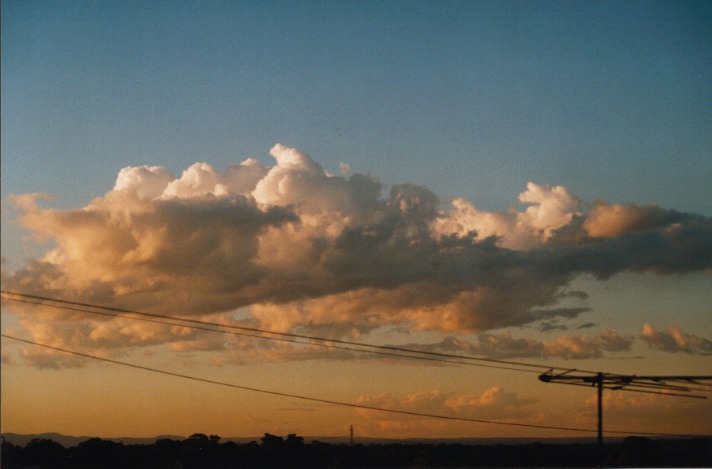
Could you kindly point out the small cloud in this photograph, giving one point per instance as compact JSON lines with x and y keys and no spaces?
{"x":673,"y":340}
{"x":605,"y":221}
{"x":7,"y":359}
{"x":546,"y":326}
{"x":576,"y":294}
{"x":586,"y":325}
{"x":568,"y":313}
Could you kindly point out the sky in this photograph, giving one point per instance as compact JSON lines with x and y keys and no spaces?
{"x":521,"y":181}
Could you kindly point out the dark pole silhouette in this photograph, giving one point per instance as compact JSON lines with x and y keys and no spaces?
{"x":599,"y":382}
{"x":679,"y":386}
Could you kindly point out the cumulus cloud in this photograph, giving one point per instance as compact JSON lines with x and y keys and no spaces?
{"x":606,"y":221}
{"x":550,"y":209}
{"x":299,"y":246}
{"x":144,"y":182}
{"x":673,"y":339}
{"x":494,"y":403}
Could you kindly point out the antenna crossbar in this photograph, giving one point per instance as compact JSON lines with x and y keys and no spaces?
{"x":675,"y":385}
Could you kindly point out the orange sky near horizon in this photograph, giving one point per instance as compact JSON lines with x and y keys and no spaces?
{"x":108,"y":400}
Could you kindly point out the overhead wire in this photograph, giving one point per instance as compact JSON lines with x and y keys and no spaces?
{"x":371,"y":347}
{"x":281,"y":339}
{"x":635,"y":390}
{"x":339,"y":403}
{"x":383,"y":350}
{"x":634,"y":383}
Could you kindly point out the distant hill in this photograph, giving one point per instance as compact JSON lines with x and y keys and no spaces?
{"x":69,"y":441}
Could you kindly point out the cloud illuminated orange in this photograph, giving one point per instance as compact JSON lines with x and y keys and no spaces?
{"x":297,"y":247}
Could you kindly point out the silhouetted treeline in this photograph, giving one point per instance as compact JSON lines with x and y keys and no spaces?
{"x":202,"y":451}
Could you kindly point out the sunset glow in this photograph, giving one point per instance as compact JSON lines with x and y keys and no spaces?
{"x":522,"y":183}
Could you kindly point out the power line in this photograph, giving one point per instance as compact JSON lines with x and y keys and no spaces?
{"x":337,"y":403}
{"x":302,"y":336}
{"x":400,"y":352}
{"x":663,"y":393}
{"x":281,"y":339}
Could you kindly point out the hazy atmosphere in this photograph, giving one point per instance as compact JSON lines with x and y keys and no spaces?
{"x":516,"y":181}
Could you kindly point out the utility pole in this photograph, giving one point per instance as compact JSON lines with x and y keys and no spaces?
{"x":351,"y":436}
{"x":678,"y":386}
{"x":599,"y":382}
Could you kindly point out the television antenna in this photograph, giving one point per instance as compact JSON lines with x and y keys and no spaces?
{"x":677,"y":386}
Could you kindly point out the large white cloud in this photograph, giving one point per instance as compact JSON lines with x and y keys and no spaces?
{"x":551,"y":208}
{"x":302,"y":247}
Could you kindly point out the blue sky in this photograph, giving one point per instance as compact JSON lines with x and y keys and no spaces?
{"x":612,"y":100}
{"x":472,"y":99}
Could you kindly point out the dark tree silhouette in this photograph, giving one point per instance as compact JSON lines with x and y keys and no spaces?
{"x":96,"y":452}
{"x":43,"y":452}
{"x":203,"y":452}
{"x":272,"y":441}
{"x":11,"y":454}
{"x":293,"y":440}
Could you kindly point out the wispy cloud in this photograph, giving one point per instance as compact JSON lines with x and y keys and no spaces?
{"x":505,"y":345}
{"x":298,"y":245}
